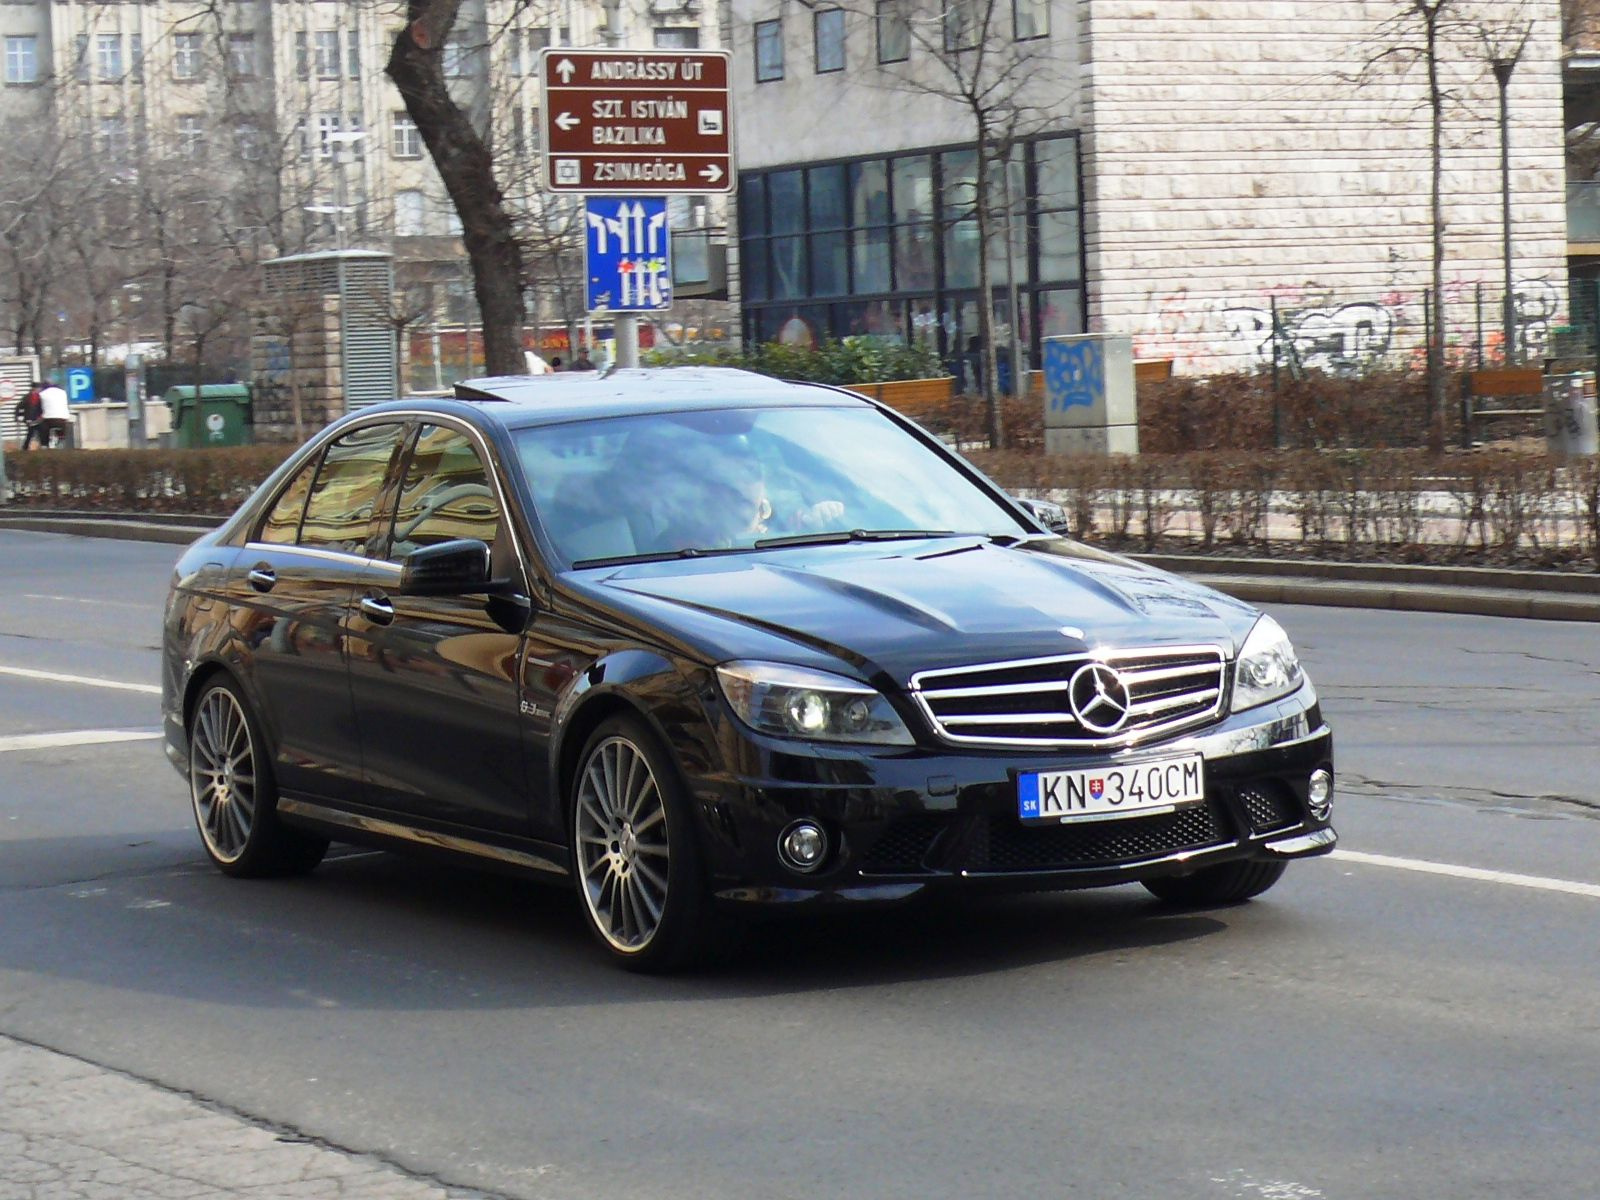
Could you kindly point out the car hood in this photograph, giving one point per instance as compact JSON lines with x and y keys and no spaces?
{"x":906,"y":606}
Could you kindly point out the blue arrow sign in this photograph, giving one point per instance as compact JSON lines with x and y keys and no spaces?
{"x":627,"y":253}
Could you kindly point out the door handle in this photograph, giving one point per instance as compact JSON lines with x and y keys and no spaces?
{"x":263,"y":578}
{"x":377,"y":610}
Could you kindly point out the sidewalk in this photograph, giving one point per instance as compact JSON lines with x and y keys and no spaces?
{"x":73,"y":1131}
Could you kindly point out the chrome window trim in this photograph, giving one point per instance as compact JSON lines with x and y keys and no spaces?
{"x":922,"y":695}
{"x":338,"y":556}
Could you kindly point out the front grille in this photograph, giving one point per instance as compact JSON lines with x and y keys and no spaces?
{"x":1269,"y":807}
{"x":1029,"y":702}
{"x":904,"y":846}
{"x":1014,"y":847}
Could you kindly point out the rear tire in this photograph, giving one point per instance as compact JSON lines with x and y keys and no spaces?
{"x":1209,"y":887}
{"x":635,"y":856}
{"x":234,"y":795}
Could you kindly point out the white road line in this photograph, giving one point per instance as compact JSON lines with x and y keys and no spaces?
{"x":83,"y":600}
{"x":1537,"y":882}
{"x":75,"y":737}
{"x":86,"y":680}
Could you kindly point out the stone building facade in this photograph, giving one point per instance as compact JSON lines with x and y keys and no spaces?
{"x":1236,"y":170}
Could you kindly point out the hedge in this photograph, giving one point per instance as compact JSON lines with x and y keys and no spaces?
{"x":203,"y":482}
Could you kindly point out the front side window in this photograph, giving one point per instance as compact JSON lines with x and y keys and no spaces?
{"x":769,"y":51}
{"x":445,"y":494}
{"x":186,"y":56}
{"x":344,"y":498}
{"x":660,"y":484}
{"x":830,"y":40}
{"x":22,"y":59}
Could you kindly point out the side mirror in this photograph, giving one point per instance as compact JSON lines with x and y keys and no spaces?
{"x":454,"y":568}
{"x":1048,"y":513}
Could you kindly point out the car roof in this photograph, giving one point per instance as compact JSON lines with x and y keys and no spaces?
{"x":521,"y":400}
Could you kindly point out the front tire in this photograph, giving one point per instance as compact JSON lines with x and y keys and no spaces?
{"x":234,"y":795}
{"x":635,"y":858}
{"x":1211,"y":887}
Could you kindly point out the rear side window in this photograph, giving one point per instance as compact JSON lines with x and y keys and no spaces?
{"x":282,"y":525}
{"x":345,"y":495}
{"x":445,"y":494}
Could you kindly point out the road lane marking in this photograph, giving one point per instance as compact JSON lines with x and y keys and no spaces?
{"x":85,"y":600}
{"x":55,"y":677}
{"x":75,"y":737}
{"x":1510,"y":879}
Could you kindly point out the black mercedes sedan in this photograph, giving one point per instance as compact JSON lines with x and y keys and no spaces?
{"x":705,"y":643}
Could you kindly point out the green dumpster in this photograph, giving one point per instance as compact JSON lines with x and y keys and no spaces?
{"x":219,"y":417}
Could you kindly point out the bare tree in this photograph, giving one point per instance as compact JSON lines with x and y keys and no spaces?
{"x":466,"y":166}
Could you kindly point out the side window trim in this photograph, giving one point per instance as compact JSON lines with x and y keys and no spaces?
{"x":377,"y":504}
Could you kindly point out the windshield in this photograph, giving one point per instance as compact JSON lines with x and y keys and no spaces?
{"x":664,"y":484}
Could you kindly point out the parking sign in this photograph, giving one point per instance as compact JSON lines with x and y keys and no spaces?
{"x":80,"y":385}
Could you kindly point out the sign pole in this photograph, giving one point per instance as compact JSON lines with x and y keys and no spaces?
{"x":627,"y":339}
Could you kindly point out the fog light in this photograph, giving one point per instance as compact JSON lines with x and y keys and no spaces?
{"x":1319,"y":794}
{"x":803,"y":846}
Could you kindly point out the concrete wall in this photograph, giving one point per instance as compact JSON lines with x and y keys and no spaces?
{"x":1228,"y":164}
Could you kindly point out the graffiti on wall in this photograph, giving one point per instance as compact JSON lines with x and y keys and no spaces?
{"x":1338,"y":335}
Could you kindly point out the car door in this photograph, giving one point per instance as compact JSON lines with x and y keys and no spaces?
{"x":434,"y":679}
{"x":291,"y":589}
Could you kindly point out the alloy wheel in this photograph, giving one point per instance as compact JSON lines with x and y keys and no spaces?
{"x":222,"y":774}
{"x":622,"y":850}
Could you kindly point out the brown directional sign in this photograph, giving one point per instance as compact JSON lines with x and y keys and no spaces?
{"x":650,"y":122}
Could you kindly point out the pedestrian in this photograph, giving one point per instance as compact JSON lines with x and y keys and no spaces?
{"x":555,"y":363}
{"x":583,"y":362}
{"x":30,"y":411}
{"x":56,"y":415}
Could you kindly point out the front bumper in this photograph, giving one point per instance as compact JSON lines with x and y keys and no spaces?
{"x":904,"y":822}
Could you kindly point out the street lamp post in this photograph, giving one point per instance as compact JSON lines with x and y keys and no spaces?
{"x":1504,"y":63}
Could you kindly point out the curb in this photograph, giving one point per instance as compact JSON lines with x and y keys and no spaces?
{"x":1477,"y":591}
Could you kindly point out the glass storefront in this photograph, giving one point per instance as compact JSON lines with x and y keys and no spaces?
{"x":889,"y":246}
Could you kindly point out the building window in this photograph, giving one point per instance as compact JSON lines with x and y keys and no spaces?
{"x":80,"y":58}
{"x":769,"y":51}
{"x":326,"y":45}
{"x":352,"y":53}
{"x":242,"y":55}
{"x":22,"y":59}
{"x":191,"y":136}
{"x":186,"y":56}
{"x":302,"y":55}
{"x":247,"y":141}
{"x":1031,"y":18}
{"x":678,"y":38}
{"x":108,"y":55}
{"x":894,"y":32}
{"x":111,"y":138}
{"x":328,"y":124}
{"x":829,"y":31}
{"x":960,"y":25}
{"x":136,"y":58}
{"x":536,"y":40}
{"x":455,"y":59}
{"x":405,"y":141}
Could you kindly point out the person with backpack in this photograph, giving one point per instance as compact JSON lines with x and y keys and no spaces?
{"x":30,"y":411}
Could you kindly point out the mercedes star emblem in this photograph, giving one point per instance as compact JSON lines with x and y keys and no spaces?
{"x":1099,"y":698}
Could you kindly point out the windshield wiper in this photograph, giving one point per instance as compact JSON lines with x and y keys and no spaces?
{"x":621,"y":560}
{"x":841,"y":536}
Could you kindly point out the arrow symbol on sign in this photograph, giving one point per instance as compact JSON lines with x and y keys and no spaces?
{"x":565,"y":69}
{"x":712,"y":172}
{"x":566,"y":121}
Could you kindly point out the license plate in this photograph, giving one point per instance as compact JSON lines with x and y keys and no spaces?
{"x":1128,"y":790}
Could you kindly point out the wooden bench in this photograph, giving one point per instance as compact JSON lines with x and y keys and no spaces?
{"x":1500,"y":393}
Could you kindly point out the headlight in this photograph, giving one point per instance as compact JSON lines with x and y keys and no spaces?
{"x":1267,"y":668}
{"x":801,"y":703}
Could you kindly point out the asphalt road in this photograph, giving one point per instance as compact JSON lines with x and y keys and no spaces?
{"x":1375,"y":1027}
